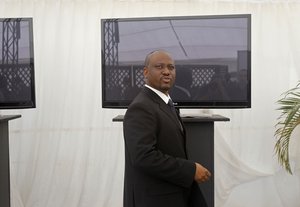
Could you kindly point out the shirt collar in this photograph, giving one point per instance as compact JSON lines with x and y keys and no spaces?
{"x":163,"y":96}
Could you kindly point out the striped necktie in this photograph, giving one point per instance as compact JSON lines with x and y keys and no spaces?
{"x":171,"y":105}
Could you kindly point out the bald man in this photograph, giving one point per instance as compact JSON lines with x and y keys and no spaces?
{"x":157,"y":170}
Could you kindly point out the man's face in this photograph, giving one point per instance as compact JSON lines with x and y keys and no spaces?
{"x":160,"y":71}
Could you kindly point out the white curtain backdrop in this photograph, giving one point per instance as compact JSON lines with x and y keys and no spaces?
{"x":67,"y":152}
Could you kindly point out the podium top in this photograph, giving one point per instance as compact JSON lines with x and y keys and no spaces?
{"x":4,"y":118}
{"x":189,"y":118}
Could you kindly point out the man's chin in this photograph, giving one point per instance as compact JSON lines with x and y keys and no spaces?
{"x":165,"y":89}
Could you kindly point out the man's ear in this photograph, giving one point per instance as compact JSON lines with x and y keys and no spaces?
{"x":145,"y":72}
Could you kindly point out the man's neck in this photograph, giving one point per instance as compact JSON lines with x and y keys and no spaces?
{"x":163,"y":96}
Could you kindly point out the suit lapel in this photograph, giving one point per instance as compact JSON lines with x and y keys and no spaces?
{"x":165,"y":109}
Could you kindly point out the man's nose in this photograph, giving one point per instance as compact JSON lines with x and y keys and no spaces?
{"x":166,"y":70}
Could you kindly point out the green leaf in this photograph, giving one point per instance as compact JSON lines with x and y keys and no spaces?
{"x":288,"y":120}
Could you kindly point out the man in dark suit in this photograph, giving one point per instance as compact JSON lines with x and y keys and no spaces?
{"x":157,"y":170}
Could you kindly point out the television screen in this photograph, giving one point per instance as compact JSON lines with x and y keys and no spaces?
{"x":212,"y":57}
{"x":17,"y":88}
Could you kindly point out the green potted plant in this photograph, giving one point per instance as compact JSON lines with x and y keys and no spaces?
{"x":288,"y":120}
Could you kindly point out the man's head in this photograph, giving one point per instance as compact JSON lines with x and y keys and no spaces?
{"x":159,"y":71}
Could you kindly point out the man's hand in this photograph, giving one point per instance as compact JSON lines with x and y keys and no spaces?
{"x":202,"y":174}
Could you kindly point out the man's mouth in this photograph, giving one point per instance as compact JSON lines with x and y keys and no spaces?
{"x":166,"y":79}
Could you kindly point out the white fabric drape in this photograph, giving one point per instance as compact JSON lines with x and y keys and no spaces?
{"x":68,"y":152}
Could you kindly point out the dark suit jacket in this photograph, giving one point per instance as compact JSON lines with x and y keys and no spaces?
{"x":157,"y":172}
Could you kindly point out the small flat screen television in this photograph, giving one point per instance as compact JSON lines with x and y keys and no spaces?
{"x":17,"y":88}
{"x":212,"y":58}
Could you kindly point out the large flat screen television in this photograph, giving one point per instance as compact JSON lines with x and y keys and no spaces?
{"x":212,"y":57}
{"x":17,"y":88}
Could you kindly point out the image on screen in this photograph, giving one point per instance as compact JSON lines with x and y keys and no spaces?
{"x":16,"y":63}
{"x":212,"y":58}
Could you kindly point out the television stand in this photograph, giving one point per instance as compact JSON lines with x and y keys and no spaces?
{"x":4,"y":159}
{"x":200,"y":146}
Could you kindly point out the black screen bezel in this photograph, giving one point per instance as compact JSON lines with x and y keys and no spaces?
{"x":183,"y":104}
{"x":24,"y":104}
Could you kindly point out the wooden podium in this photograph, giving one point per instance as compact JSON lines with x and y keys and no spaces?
{"x":4,"y":160}
{"x":200,"y":146}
